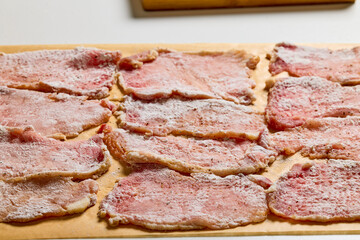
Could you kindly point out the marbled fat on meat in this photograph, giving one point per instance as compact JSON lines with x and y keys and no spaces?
{"x":163,"y":73}
{"x":35,"y":198}
{"x":221,"y":157}
{"x":81,"y":71}
{"x":24,"y":153}
{"x":53,"y":115}
{"x":342,"y":66}
{"x":322,"y":192}
{"x":162,"y":199}
{"x":211,"y":118}
{"x":294,"y":100}
{"x":337,"y":138}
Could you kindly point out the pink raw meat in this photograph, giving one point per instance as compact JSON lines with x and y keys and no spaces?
{"x":292,"y":101}
{"x":81,"y":71}
{"x":221,"y":157}
{"x":163,"y":73}
{"x":25,"y":153}
{"x":321,"y":192}
{"x":337,"y":138}
{"x":54,"y":115}
{"x":35,"y":198}
{"x":160,"y":198}
{"x":342,"y":66}
{"x":210,"y":118}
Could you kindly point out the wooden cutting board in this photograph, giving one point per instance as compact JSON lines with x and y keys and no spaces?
{"x":88,"y":225}
{"x":156,"y":5}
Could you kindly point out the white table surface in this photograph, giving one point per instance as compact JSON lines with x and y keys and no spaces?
{"x":124,"y":21}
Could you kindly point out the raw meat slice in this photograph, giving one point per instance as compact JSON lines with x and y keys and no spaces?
{"x":221,"y":157}
{"x":24,"y":153}
{"x":336,"y":138}
{"x":321,"y":192}
{"x":342,"y":66}
{"x":163,"y":73}
{"x":162,"y":199}
{"x":81,"y":71}
{"x":260,"y":180}
{"x":53,"y":115}
{"x":209,"y":118}
{"x":294,"y":100}
{"x":30,"y":199}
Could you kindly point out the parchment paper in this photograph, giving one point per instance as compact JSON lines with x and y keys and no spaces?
{"x":88,"y":225}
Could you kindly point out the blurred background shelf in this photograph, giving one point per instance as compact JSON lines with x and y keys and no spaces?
{"x":156,"y":5}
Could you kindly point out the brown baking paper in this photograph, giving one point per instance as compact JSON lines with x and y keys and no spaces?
{"x":88,"y":225}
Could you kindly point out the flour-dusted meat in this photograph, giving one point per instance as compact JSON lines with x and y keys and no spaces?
{"x":163,"y":73}
{"x":24,"y":153}
{"x":55,"y":115}
{"x":337,"y":138}
{"x":321,"y":192}
{"x":294,"y":100}
{"x":162,"y":199}
{"x":260,"y":180}
{"x":81,"y":71}
{"x":221,"y":157}
{"x":210,"y":118}
{"x":341,"y":66}
{"x":35,"y":198}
